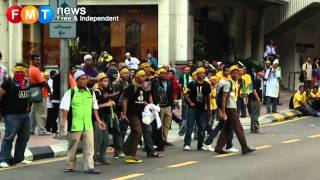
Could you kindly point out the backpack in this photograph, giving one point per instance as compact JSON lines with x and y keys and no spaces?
{"x":291,"y":102}
{"x":69,"y":118}
{"x":220,"y":94}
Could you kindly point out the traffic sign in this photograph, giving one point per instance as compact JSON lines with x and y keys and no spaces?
{"x":60,"y":28}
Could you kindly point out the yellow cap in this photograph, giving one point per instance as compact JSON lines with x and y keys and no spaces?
{"x":140,"y":73}
{"x":194,"y":74}
{"x":145,"y":64}
{"x":162,"y":70}
{"x":45,"y":74}
{"x":234,"y":67}
{"x":101,"y":76}
{"x":124,"y":70}
{"x":213,"y":78}
{"x":200,"y":70}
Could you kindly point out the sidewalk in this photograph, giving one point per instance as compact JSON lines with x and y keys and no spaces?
{"x":40,"y":147}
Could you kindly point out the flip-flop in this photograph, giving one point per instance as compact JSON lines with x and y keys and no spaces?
{"x":133,"y":161}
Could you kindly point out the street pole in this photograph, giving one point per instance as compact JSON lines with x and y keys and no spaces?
{"x":64,"y":66}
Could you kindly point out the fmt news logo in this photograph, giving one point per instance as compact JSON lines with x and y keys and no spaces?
{"x":30,"y":14}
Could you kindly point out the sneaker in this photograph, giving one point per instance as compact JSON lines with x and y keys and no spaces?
{"x":232,"y":150}
{"x":207,"y":148}
{"x":26,"y":162}
{"x":4,"y":165}
{"x":186,"y":148}
{"x":120,"y":156}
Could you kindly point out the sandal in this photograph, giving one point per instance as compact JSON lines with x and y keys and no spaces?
{"x":133,"y":160}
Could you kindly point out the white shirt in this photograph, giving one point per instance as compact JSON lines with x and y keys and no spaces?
{"x":269,"y":50}
{"x":65,"y":102}
{"x":307,"y":67}
{"x":272,"y":84}
{"x":49,"y":103}
{"x":133,"y":63}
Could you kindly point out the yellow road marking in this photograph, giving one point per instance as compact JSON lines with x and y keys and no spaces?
{"x":290,"y":114}
{"x":183,"y":164}
{"x":291,"y":141}
{"x":315,"y":136}
{"x":128,"y":177}
{"x":224,"y":155}
{"x":37,"y":163}
{"x":283,"y":122}
{"x":278,"y":116}
{"x":263,"y":147}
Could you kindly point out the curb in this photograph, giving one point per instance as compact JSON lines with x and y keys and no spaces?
{"x":44,"y":152}
{"x":279,"y":117}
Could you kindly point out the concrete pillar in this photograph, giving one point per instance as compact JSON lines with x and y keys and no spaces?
{"x":232,"y":34}
{"x":260,"y":38}
{"x":4,"y":33}
{"x":184,"y":41}
{"x":15,"y":42}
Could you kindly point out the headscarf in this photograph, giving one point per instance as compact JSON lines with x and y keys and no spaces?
{"x":20,"y":75}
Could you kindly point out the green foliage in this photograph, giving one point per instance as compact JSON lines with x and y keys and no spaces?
{"x":199,"y":47}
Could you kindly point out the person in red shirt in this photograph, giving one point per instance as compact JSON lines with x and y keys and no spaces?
{"x":38,"y":114}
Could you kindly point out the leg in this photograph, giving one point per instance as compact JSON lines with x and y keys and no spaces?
{"x":88,"y":149}
{"x":12,"y":126}
{"x":23,"y":138}
{"x":227,"y":127}
{"x":190,"y":126}
{"x":41,"y":115}
{"x":166,"y":119}
{"x":74,"y":139}
{"x":274,"y":104}
{"x":32,"y":117}
{"x":201,"y":117}
{"x":98,"y":138}
{"x":134,"y":138}
{"x":147,"y":137}
{"x":214,"y":132}
{"x":55,"y":117}
{"x":50,"y":119}
{"x":268,"y":104}
{"x":255,"y":116}
{"x":183,"y":127}
{"x":238,"y":129}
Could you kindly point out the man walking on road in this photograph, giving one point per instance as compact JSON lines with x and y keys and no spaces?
{"x":14,"y":103}
{"x":77,"y":106}
{"x":230,"y":115}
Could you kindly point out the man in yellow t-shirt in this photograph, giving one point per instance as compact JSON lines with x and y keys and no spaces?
{"x":224,"y":74}
{"x":315,"y":97}
{"x":300,"y":104}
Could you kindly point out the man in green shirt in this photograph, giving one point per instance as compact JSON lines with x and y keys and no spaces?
{"x":77,"y":106}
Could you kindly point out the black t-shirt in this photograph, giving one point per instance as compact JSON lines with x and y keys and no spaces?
{"x":256,"y":84}
{"x":137,"y":97}
{"x":199,"y":93}
{"x":103,"y":112}
{"x":15,"y":100}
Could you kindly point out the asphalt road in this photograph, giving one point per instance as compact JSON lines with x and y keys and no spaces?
{"x":288,"y":150}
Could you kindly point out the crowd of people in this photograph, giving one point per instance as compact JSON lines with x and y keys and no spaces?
{"x":111,"y":97}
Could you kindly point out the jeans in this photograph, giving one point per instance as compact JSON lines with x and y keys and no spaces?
{"x":15,"y":124}
{"x":197,"y":116}
{"x":183,"y":127}
{"x":272,"y":104}
{"x":241,"y":107}
{"x":308,"y":111}
{"x":101,"y":142}
{"x":215,"y":132}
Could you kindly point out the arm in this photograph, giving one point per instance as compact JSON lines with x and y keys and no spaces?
{"x":2,"y":92}
{"x":256,"y":95}
{"x":64,"y":120}
{"x":224,"y":104}
{"x":186,"y":96}
{"x":124,"y":109}
{"x":101,"y":124}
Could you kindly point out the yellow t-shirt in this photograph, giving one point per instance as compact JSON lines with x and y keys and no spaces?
{"x":213,"y":99}
{"x":298,"y":97}
{"x":313,"y":95}
{"x":306,"y":97}
{"x":220,"y":76}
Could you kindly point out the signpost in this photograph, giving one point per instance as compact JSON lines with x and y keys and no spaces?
{"x":63,"y":30}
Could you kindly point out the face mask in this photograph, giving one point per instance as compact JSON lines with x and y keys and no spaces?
{"x":20,"y":79}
